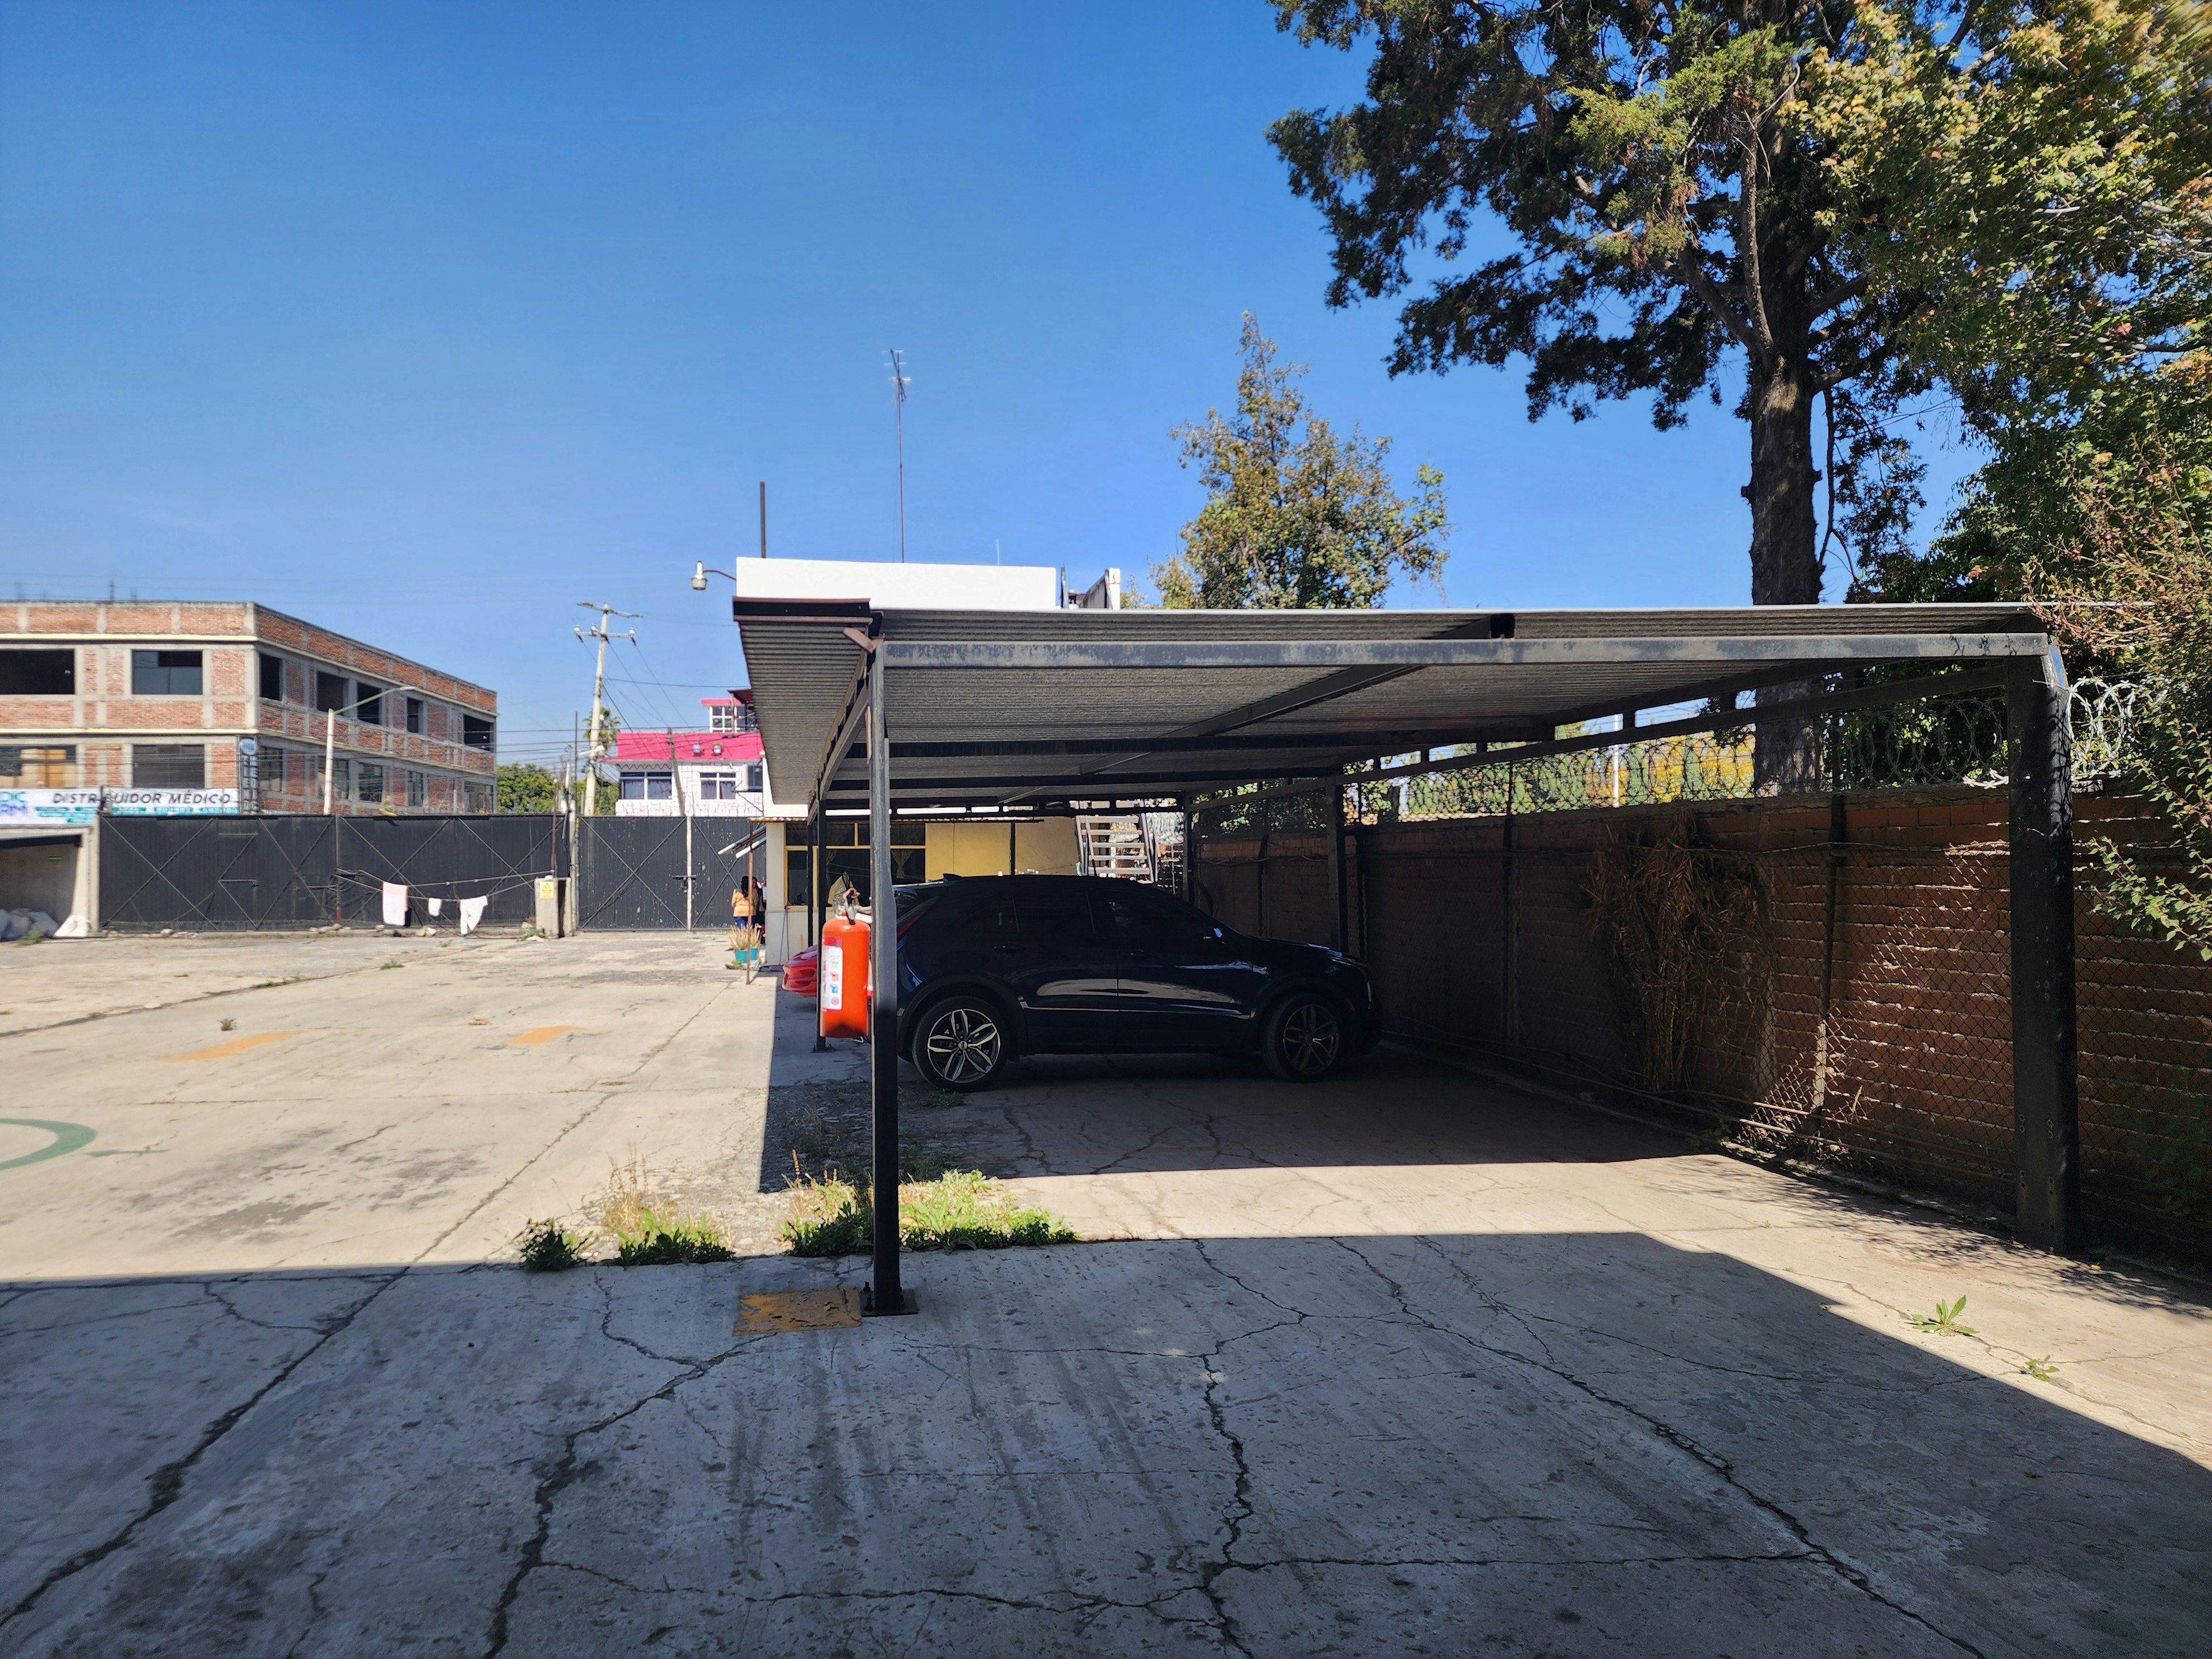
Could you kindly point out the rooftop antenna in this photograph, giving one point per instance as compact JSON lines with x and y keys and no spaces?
{"x":899,"y":383}
{"x":763,"y":518}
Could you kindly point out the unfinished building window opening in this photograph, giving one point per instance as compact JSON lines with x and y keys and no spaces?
{"x":38,"y":673}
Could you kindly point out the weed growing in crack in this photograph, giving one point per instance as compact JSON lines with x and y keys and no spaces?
{"x":547,"y":1247}
{"x":394,"y":962}
{"x":2041,"y":1369}
{"x":651,"y":1231}
{"x":230,"y":1026}
{"x":1944,"y":1320}
{"x":947,"y":1210}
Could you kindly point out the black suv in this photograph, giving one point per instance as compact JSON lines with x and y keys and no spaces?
{"x":993,"y":967}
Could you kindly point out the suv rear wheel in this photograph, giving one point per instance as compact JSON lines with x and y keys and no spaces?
{"x":960,"y":1043}
{"x":1303,"y":1039}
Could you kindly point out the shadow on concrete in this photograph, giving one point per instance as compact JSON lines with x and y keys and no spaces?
{"x":1556,"y":1443}
{"x":1085,"y":1114}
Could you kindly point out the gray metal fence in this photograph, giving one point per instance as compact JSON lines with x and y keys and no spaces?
{"x":221,"y":874}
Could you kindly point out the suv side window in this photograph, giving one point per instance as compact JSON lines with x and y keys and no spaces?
{"x":1143,"y":916}
{"x":1053,"y":913}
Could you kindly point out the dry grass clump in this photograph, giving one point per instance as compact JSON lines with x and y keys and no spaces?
{"x":1678,"y":924}
{"x":648,"y":1230}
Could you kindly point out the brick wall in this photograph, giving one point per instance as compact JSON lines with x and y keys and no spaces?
{"x":1483,"y":935}
{"x":103,"y":717}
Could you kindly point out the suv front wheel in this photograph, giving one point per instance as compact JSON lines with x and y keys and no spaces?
{"x":960,"y":1043}
{"x":1303,"y":1039}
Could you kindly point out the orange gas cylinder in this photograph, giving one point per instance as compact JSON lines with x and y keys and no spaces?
{"x":844,"y":976}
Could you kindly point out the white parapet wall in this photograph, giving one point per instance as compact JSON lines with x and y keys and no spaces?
{"x":902,"y":587}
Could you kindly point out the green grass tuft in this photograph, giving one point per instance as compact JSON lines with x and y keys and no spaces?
{"x":651,"y":1231}
{"x":547,"y":1247}
{"x":659,"y":1241}
{"x":956,"y":1210}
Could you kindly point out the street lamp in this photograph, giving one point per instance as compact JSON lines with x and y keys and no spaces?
{"x":699,"y":573}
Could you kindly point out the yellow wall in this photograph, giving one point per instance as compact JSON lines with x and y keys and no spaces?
{"x":1046,"y":847}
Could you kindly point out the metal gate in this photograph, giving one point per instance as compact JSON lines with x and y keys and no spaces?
{"x":222,"y":874}
{"x":635,"y":872}
{"x":499,"y":858}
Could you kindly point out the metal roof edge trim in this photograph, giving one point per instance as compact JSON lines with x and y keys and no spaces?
{"x":1440,"y":653}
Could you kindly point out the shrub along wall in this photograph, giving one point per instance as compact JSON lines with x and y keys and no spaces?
{"x":1832,"y":976}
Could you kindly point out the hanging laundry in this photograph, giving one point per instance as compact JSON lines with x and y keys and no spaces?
{"x":472,"y":912}
{"x":436,"y":905}
{"x":395,"y":904}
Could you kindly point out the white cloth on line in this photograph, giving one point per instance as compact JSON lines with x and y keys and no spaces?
{"x":395,"y":904}
{"x":472,"y":911}
{"x":436,"y":905}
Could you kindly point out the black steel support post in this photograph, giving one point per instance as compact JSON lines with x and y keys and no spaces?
{"x":2045,"y":1099}
{"x":816,"y":911}
{"x":885,"y":1294}
{"x":1190,"y":852}
{"x":1339,"y":926}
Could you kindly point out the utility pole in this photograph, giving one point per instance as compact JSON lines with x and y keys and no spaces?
{"x":599,"y":691}
{"x":899,"y":383}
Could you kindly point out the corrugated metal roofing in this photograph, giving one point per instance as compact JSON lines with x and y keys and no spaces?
{"x":1044,"y":729}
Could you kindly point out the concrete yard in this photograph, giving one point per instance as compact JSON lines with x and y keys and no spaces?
{"x":1405,"y":1363}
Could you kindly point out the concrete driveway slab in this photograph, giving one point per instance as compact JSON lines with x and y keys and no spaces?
{"x":1404,"y":1362}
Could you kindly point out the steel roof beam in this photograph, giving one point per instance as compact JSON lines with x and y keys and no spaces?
{"x":1833,"y":651}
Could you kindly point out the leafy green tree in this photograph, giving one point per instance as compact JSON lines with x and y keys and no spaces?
{"x":1867,"y":200}
{"x":1294,"y":516}
{"x":524,"y":787}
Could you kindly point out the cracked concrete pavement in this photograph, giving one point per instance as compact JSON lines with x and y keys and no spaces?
{"x":1404,"y":1362}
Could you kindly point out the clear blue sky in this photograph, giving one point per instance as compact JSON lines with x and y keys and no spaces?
{"x":426,"y":322}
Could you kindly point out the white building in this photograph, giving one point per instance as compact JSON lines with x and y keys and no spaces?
{"x":924,"y":847}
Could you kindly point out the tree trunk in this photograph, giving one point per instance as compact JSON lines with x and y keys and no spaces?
{"x":1785,"y":560}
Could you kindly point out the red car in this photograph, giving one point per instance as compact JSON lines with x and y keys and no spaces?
{"x":798,"y":974}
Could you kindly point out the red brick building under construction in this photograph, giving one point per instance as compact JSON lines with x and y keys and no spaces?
{"x":171,"y":695}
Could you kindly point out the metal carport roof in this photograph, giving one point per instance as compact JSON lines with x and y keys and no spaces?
{"x":1037,"y":708}
{"x":998,"y":709}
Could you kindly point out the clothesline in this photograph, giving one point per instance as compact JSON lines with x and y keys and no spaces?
{"x":366,"y":878}
{"x":471,"y":910}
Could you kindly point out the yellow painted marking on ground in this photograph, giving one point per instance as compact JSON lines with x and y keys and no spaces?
{"x":797,"y":1310}
{"x":542,"y":1034}
{"x":225,"y":1050}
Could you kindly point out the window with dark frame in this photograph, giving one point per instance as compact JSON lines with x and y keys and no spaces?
{"x":418,"y":789}
{"x":272,"y":678}
{"x":157,"y":673}
{"x":753,"y":781}
{"x":845,"y":853}
{"x":369,"y":783}
{"x":415,"y":721}
{"x":369,"y":703}
{"x":168,"y":765}
{"x":476,"y":732}
{"x":330,"y":693}
{"x":38,"y":673}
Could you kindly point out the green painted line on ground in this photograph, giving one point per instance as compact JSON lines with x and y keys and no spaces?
{"x":68,"y":1137}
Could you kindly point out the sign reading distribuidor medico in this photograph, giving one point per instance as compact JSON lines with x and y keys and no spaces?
{"x":29,"y":806}
{"x":172,"y":803}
